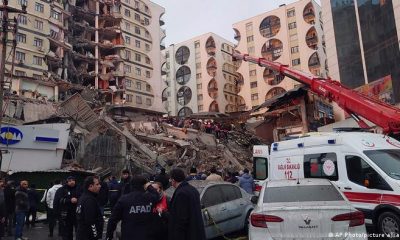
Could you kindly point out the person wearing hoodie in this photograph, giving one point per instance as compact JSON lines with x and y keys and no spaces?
{"x":51,"y":214}
{"x":21,"y":208}
{"x":125,"y":183}
{"x":246,"y":181}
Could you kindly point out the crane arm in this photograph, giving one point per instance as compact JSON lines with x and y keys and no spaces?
{"x":380,"y":113}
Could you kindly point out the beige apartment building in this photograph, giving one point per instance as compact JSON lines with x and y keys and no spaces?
{"x":109,"y":45}
{"x":200,"y":77}
{"x":291,"y":34}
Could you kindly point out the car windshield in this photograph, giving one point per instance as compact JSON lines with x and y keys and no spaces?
{"x":386,"y":159}
{"x":302,"y":194}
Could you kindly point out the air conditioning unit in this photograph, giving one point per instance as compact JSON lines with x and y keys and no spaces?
{"x":142,"y":21}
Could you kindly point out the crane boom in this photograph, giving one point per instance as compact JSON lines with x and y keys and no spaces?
{"x":354,"y":103}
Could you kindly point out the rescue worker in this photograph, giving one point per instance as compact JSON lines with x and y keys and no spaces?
{"x":135,"y":210}
{"x":88,"y":214}
{"x":125,"y":182}
{"x":185,"y":218}
{"x":65,"y":202}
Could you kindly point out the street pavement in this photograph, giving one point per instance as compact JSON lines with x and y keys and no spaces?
{"x":41,"y":232}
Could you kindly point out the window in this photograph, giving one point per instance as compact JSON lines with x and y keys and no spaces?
{"x":138,"y":85}
{"x":249,"y":26}
{"x":22,"y":19}
{"x":294,"y":49}
{"x":127,"y":40}
{"x":137,"y":17}
{"x":146,"y":9}
{"x":21,"y":38}
{"x":138,"y":57}
{"x":129,"y":97}
{"x":296,"y":61}
{"x":137,"y":43}
{"x":37,"y":60}
{"x":127,"y":54}
{"x":252,"y":72}
{"x":291,"y":13}
{"x":198,"y":76}
{"x":37,"y":42}
{"x":388,"y":160}
{"x":147,"y":34}
{"x":23,"y":2}
{"x":137,"y":30}
{"x":250,"y":38}
{"x":138,"y":71}
{"x":136,"y":4}
{"x":200,"y":97}
{"x":322,"y":165}
{"x":199,"y":86}
{"x":147,"y":47}
{"x":148,"y":101}
{"x":20,"y":73}
{"x":148,"y":74}
{"x":251,"y":50}
{"x":127,"y":26}
{"x":38,"y":24}
{"x":20,"y":56}
{"x":200,"y":108}
{"x":127,"y":13}
{"x":197,"y":45}
{"x":212,"y":197}
{"x":230,"y":193}
{"x":292,"y":25}
{"x":253,"y":84}
{"x":128,"y":83}
{"x":361,"y":173}
{"x":148,"y":87}
{"x":147,"y":60}
{"x":55,"y":15}
{"x":302,"y":194}
{"x":254,"y":96}
{"x":127,"y":69}
{"x":138,"y":99}
{"x":146,"y":21}
{"x":39,"y":7}
{"x":261,"y":168}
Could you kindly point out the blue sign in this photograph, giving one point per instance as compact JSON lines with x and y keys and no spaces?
{"x":10,"y":135}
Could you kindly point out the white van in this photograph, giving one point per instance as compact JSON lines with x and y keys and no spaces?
{"x":365,"y":166}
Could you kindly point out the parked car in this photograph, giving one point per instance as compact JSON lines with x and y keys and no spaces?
{"x":304,"y":209}
{"x":226,"y":207}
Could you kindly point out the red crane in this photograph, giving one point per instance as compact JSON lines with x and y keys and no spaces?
{"x":354,"y":103}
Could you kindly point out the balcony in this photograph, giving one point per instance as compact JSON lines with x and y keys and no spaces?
{"x":162,"y":46}
{"x":309,"y":13}
{"x":162,"y":23}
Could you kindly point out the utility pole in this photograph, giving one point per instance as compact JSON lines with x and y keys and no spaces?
{"x":5,"y":28}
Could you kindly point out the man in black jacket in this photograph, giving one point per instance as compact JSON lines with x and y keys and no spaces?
{"x":65,"y":202}
{"x":125,"y":183}
{"x":89,"y":217}
{"x":21,"y":207}
{"x":185,"y":219}
{"x":135,"y":211}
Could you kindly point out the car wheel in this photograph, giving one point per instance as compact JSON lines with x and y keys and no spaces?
{"x":389,"y":224}
{"x":246,"y":223}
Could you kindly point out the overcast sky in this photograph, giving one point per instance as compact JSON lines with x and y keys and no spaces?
{"x":185,"y":19}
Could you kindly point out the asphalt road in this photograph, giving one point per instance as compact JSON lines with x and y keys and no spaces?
{"x":40,"y":231}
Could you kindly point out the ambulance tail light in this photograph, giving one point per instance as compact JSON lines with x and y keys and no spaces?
{"x":261,"y":220}
{"x":355,"y":218}
{"x":257,"y":188}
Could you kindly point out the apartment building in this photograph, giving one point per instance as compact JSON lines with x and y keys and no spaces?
{"x":291,"y":34}
{"x":362,"y":39}
{"x":109,"y":45}
{"x":200,"y":77}
{"x":31,"y":71}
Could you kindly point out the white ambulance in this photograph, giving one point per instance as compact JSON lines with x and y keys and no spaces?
{"x":365,"y":166}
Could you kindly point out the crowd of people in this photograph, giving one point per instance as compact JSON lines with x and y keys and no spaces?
{"x":138,"y":201}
